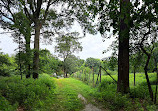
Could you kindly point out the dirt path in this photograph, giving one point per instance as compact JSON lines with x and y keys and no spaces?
{"x":88,"y":106}
{"x":69,"y":97}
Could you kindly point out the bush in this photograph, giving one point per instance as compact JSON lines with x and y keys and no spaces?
{"x":29,"y":93}
{"x":140,"y":91}
{"x":107,"y":94}
{"x":5,"y":105}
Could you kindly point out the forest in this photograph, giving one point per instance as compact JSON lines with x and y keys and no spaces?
{"x":34,"y":79}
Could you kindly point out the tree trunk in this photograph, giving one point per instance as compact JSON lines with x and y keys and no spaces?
{"x":28,"y":58}
{"x":93,"y":76}
{"x":134,"y":76}
{"x":147,"y":78}
{"x":123,"y":54}
{"x":36,"y":51}
{"x":65,"y":73}
{"x":156,"y":86}
{"x":100,"y":73}
{"x":155,"y":60}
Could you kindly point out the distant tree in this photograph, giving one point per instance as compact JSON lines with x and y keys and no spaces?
{"x":49,"y":63}
{"x":110,"y":62}
{"x":7,"y":65}
{"x":72,"y":64}
{"x":66,"y":45}
{"x":136,"y":61}
{"x":93,"y":64}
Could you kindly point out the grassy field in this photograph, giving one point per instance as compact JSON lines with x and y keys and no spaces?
{"x":26,"y":94}
{"x":67,"y":92}
{"x":51,"y":94}
{"x":137,"y":99}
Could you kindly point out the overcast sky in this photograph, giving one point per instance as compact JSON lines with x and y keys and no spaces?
{"x":93,"y":45}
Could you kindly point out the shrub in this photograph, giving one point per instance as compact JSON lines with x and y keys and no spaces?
{"x":5,"y":105}
{"x":29,"y":93}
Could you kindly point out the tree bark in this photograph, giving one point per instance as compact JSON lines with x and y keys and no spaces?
{"x":28,"y":57}
{"x":156,"y":86}
{"x":65,"y":73}
{"x":155,"y":60}
{"x":134,"y":76}
{"x":36,"y":50}
{"x":123,"y":54}
{"x":147,"y":78}
{"x":93,"y":76}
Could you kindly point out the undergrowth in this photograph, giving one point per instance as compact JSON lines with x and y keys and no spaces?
{"x":137,"y":100}
{"x":29,"y":94}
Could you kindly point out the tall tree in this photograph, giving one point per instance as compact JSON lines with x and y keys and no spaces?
{"x":123,"y":54}
{"x":12,"y":18}
{"x":33,"y":10}
{"x":66,"y":45}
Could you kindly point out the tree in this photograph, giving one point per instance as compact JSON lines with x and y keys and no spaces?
{"x":45,"y":19}
{"x":93,"y":64}
{"x":136,"y":61}
{"x":123,"y":54}
{"x":7,"y":65}
{"x":115,"y":16}
{"x":145,"y":33}
{"x":49,"y":63}
{"x":66,"y":45}
{"x":110,"y":62}
{"x":72,"y":64}
{"x":12,"y":18}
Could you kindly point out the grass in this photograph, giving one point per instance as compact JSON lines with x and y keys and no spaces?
{"x":51,"y":94}
{"x":29,"y":94}
{"x":67,"y":94}
{"x":137,"y":99}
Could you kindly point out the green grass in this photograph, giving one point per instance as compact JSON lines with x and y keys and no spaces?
{"x":29,"y":94}
{"x":137,"y":99}
{"x":51,"y":94}
{"x":67,"y":94}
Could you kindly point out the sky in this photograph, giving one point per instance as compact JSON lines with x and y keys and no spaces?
{"x":93,"y":45}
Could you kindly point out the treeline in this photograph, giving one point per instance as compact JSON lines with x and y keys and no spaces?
{"x":11,"y":65}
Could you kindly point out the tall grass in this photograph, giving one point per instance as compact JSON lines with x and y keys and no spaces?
{"x":27,"y":93}
{"x":137,"y":99}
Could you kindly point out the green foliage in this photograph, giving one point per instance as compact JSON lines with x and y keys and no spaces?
{"x":137,"y":99}
{"x":7,"y":65}
{"x":93,"y":64}
{"x":110,"y":63}
{"x":68,"y":44}
{"x":72,"y":64}
{"x":5,"y":105}
{"x":49,"y":63}
{"x":30,"y":93}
